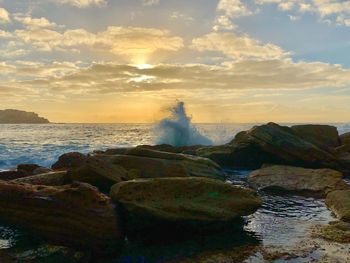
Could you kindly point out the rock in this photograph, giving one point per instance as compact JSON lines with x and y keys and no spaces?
{"x":49,"y":179}
{"x":339,"y":203}
{"x":27,"y":168}
{"x":188,"y":202}
{"x":325,"y":137}
{"x":98,"y":171}
{"x":69,"y":160}
{"x":336,"y":231}
{"x":75,"y":215}
{"x":296,"y":179}
{"x":238,"y":156}
{"x":345,"y":138}
{"x":10,"y":175}
{"x":270,"y":143}
{"x":16,"y":116}
{"x":145,"y":163}
{"x":42,"y":170}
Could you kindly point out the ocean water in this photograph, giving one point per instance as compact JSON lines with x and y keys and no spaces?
{"x":43,"y":144}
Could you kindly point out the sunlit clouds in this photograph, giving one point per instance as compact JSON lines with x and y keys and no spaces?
{"x":230,"y":60}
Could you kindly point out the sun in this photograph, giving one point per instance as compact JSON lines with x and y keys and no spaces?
{"x":144,"y":66}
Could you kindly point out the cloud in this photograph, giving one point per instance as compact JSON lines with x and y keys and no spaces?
{"x":83,"y":3}
{"x":4,"y":16}
{"x":131,"y":42}
{"x":335,"y":11}
{"x":150,"y":2}
{"x":30,"y":22}
{"x":103,"y":78}
{"x":228,"y":10}
{"x":237,"y":47}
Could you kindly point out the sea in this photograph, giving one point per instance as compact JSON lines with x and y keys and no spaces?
{"x":44,"y":143}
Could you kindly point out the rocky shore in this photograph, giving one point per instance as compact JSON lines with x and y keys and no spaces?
{"x":87,"y":207}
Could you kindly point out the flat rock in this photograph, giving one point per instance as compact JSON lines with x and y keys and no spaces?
{"x":75,"y":215}
{"x":297,"y":179}
{"x":339,"y":203}
{"x":183,"y":201}
{"x":49,"y":179}
{"x":146,"y":163}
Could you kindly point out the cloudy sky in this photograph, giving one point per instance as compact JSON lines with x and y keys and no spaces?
{"x":125,"y":60}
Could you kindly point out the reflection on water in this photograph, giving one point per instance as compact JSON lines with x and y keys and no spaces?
{"x":284,"y":220}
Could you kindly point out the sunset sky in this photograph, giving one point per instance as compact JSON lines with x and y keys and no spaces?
{"x":125,"y":60}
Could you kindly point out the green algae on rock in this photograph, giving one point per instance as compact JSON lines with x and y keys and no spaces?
{"x":337,"y":231}
{"x":182,"y":201}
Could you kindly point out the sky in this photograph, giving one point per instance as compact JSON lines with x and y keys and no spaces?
{"x":125,"y":61}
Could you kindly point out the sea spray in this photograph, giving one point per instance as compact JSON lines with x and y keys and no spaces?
{"x":177,"y":129}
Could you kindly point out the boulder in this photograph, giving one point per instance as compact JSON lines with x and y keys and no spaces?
{"x":146,"y":163}
{"x":325,"y":137}
{"x":27,"y":168}
{"x":98,"y":171}
{"x":12,"y":174}
{"x":69,"y":160}
{"x":345,"y":138}
{"x":74,"y":215}
{"x":296,"y":179}
{"x":51,"y":178}
{"x":339,"y":203}
{"x":270,"y":143}
{"x":189,"y":201}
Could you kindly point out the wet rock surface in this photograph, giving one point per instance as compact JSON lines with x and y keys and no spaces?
{"x":296,"y":179}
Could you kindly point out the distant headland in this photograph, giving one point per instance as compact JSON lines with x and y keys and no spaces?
{"x":11,"y":116}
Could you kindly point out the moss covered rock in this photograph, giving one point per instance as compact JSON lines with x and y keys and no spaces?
{"x":187,"y":201}
{"x":336,"y":231}
{"x":339,"y":203}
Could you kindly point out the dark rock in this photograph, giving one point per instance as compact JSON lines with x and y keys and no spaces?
{"x":11,"y":175}
{"x":98,"y":171}
{"x":16,"y":116}
{"x":69,"y":160}
{"x":49,"y":179}
{"x":75,"y":215}
{"x":27,"y":168}
{"x":325,"y":137}
{"x":270,"y":143}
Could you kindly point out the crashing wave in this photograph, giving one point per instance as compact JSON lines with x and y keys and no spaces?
{"x":177,"y":129}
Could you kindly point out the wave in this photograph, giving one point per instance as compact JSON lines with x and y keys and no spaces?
{"x":177,"y":129}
